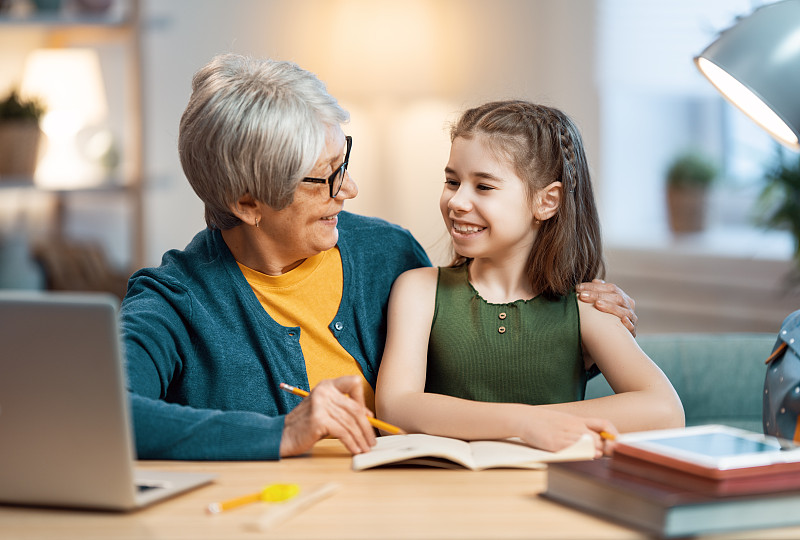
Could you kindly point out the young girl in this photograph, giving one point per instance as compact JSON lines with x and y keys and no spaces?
{"x":497,"y":344}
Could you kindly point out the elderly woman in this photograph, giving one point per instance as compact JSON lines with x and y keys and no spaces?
{"x":282,"y":286}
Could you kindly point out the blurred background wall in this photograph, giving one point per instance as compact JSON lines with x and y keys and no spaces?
{"x":402,"y":69}
{"x":621,"y":68}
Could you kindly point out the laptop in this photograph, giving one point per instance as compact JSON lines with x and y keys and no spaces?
{"x":65,"y":432}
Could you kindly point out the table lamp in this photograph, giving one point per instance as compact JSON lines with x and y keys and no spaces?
{"x":69,"y":82}
{"x":755,"y":64}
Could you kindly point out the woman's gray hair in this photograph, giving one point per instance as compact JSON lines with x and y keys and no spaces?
{"x":252,"y":126}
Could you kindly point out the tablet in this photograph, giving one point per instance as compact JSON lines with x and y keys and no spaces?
{"x":714,"y":451}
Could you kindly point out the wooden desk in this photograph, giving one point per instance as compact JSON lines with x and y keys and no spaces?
{"x":423,"y":503}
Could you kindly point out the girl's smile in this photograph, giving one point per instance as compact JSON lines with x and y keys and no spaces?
{"x":466,"y":229}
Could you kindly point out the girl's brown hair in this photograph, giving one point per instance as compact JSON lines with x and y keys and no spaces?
{"x":544,"y":146}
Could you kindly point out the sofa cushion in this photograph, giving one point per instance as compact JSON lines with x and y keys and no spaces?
{"x":719,"y":377}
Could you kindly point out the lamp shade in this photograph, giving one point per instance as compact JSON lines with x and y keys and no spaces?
{"x":755,"y":64}
{"x":70,"y":83}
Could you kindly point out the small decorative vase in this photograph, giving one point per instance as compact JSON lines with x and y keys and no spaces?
{"x":686,"y":208}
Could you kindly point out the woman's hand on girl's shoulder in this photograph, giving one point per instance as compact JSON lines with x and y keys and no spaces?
{"x":609,"y":298}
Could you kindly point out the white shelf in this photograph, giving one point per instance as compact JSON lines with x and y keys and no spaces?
{"x":109,"y":213}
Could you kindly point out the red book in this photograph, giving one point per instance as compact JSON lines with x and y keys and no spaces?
{"x":721,"y":487}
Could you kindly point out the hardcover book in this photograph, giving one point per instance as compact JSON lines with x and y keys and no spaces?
{"x":721,"y":487}
{"x":662,"y":509}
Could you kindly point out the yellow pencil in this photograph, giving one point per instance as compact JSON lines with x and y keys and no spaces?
{"x":380,"y":424}
{"x":607,"y":436}
{"x":218,"y":507}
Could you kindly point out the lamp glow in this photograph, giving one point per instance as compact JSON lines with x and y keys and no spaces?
{"x":69,"y":82}
{"x":750,"y":104}
{"x":755,"y":64}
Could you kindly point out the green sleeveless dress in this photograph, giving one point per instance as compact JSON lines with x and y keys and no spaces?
{"x":528,"y":351}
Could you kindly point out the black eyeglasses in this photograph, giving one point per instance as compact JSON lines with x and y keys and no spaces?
{"x":336,"y":179}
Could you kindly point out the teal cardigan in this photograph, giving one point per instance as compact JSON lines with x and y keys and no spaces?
{"x":204,"y":360}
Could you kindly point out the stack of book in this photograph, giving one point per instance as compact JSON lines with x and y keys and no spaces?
{"x":676,"y":483}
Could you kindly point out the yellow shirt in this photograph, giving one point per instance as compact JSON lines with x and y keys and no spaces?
{"x":308,"y":297}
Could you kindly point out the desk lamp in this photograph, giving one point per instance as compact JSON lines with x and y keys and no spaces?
{"x":70,"y":83}
{"x":755,"y":64}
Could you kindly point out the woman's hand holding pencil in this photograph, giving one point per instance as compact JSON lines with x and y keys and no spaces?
{"x":379,"y":424}
{"x":335,"y":408}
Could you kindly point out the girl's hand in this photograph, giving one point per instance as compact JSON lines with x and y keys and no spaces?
{"x":553,"y":430}
{"x":607,"y":431}
{"x":609,"y":298}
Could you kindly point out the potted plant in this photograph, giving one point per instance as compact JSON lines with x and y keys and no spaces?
{"x":780,"y":203}
{"x":688,"y":180}
{"x":19,"y":136}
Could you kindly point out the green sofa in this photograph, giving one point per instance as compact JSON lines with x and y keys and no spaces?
{"x":719,"y":377}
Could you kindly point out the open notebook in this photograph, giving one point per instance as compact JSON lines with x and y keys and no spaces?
{"x":65,"y":433}
{"x":445,"y":452}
